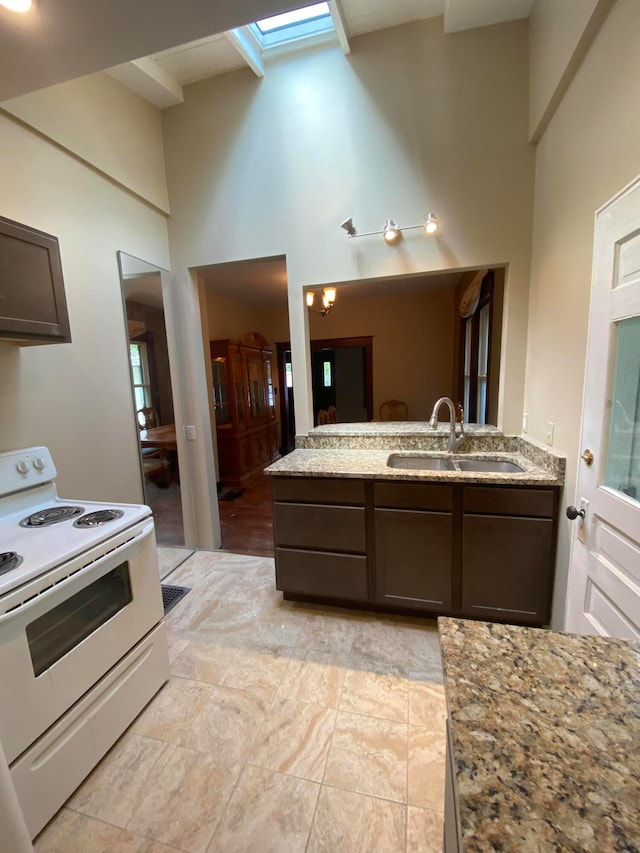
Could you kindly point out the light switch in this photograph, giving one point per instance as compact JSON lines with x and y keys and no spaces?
{"x":190,"y":433}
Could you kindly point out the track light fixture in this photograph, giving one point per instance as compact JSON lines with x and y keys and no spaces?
{"x":328,"y":301}
{"x":348,"y":227}
{"x":392,"y":233}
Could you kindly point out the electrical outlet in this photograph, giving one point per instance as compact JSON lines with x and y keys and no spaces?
{"x":582,"y":522}
{"x":190,"y":433}
{"x":525,"y":422}
{"x":549,"y":436}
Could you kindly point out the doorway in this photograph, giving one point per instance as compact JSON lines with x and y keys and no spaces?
{"x":153,"y":405}
{"x":342,"y":377}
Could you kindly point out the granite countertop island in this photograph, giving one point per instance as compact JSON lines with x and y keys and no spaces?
{"x":544,"y":738}
{"x":362,"y":450}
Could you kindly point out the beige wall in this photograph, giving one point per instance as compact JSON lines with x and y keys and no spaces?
{"x":76,"y":397}
{"x":412,"y":344}
{"x":411,"y":121}
{"x":559,"y":35}
{"x":105,"y":124}
{"x":589,"y":151}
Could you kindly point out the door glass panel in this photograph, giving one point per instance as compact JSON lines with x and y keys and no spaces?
{"x":57,"y":631}
{"x":623,"y":458}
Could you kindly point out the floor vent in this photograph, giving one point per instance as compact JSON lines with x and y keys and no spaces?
{"x":171,"y":595}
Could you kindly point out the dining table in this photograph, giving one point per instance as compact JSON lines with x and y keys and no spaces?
{"x":163,"y":437}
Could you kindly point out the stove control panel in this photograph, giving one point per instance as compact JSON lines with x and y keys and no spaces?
{"x":22,"y":469}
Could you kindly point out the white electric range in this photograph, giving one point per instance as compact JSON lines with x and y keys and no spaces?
{"x":82,"y":643}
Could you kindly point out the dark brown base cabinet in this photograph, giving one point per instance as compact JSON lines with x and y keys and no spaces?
{"x":414,"y":545}
{"x":483,"y":552}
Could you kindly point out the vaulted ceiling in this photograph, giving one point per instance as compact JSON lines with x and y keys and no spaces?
{"x":180,"y":42}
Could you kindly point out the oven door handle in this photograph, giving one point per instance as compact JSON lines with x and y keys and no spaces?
{"x":36,"y":605}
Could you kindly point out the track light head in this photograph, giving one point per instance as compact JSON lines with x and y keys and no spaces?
{"x":349,"y":227}
{"x":431,"y":223}
{"x":391,"y":232}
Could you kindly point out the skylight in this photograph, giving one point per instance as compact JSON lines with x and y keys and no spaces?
{"x":290,"y":28}
{"x":296,"y":16}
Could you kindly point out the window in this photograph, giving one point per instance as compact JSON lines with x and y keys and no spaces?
{"x":326,"y":374}
{"x":289,"y":28}
{"x":297,"y":16}
{"x":475,"y":356}
{"x":140,"y":373}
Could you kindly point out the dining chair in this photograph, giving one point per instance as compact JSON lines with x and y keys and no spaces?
{"x":393,"y":410}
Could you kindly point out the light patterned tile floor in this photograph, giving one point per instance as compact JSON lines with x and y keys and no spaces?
{"x":285,"y":727}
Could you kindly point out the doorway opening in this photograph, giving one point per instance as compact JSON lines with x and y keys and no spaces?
{"x":342,"y":380}
{"x":245,"y":310}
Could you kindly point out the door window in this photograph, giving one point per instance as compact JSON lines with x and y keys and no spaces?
{"x":623,"y":456}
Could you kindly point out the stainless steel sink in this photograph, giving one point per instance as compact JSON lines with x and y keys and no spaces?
{"x":420,"y":463}
{"x":495,"y":466}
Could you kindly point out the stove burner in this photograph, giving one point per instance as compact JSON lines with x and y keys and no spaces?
{"x":9,"y":561}
{"x":96,"y":519}
{"x":51,"y":515}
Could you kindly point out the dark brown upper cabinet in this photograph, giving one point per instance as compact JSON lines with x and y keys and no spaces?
{"x":33,"y":308}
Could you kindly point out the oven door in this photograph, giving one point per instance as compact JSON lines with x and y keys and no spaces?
{"x":70,"y":627}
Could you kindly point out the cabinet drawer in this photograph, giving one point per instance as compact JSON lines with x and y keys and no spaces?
{"x":321,"y":490}
{"x":505,"y":501}
{"x":327,"y":528}
{"x":413,"y":496}
{"x":323,"y":574}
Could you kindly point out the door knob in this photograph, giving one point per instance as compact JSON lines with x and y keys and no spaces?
{"x":587,"y":456}
{"x":573,"y":513}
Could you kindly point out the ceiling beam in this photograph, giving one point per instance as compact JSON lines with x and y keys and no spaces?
{"x":338,"y":22}
{"x":243,"y":43}
{"x":150,"y":81}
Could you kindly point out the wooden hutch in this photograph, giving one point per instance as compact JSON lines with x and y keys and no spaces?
{"x":245,"y":409}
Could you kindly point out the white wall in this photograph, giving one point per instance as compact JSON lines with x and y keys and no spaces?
{"x":590,"y":150}
{"x":411,"y":121}
{"x":76,"y":397}
{"x":105,"y":124}
{"x":559,"y":36}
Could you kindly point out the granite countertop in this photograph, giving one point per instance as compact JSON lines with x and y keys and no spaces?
{"x":364,"y":454}
{"x":545,"y":731}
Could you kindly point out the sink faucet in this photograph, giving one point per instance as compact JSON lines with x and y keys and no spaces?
{"x":454,"y":440}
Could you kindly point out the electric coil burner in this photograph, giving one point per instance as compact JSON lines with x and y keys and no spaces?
{"x":96,"y":519}
{"x":83,"y":645}
{"x":9,"y":561}
{"x":51,"y":515}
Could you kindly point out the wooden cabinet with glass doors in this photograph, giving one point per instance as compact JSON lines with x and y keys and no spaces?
{"x":245,"y":410}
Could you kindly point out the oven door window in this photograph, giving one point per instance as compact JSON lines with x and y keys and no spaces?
{"x":60,"y":629}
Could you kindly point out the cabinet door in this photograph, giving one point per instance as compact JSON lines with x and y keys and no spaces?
{"x":239,"y":392}
{"x":506,"y":568}
{"x":256,"y":400}
{"x":414,"y":559}
{"x":221,"y":391}
{"x":269,"y":389}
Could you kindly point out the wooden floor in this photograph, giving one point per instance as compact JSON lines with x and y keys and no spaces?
{"x":246,"y":523}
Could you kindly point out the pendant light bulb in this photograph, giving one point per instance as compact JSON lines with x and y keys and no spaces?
{"x":310,"y":298}
{"x":328,"y":297}
{"x":16,"y":5}
{"x":431,"y":223}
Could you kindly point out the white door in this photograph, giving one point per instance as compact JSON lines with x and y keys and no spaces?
{"x":603,"y":595}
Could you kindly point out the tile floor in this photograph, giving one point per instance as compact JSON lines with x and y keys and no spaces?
{"x":284,"y":727}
